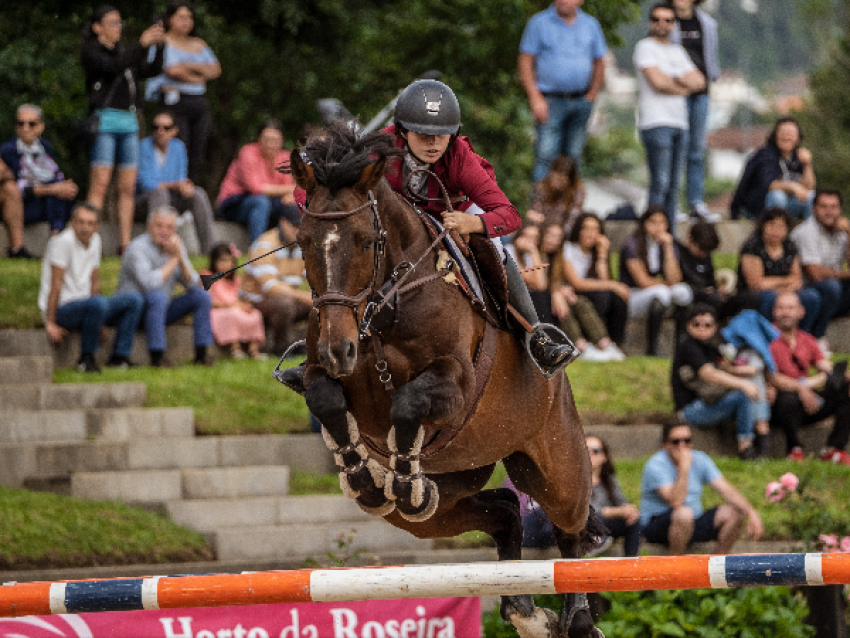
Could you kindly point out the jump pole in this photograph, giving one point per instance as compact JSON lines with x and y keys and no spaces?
{"x":424,"y":581}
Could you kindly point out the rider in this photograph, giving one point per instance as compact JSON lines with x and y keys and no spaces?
{"x":427,"y":119}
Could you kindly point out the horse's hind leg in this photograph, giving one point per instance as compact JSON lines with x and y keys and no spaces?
{"x":360,"y":477}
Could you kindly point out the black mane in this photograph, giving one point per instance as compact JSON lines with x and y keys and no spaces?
{"x":338,"y":156}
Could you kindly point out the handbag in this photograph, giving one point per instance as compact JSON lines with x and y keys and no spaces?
{"x":88,"y":127}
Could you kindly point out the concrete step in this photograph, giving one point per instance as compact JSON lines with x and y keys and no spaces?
{"x":71,"y":396}
{"x":233,"y":482}
{"x":43,"y":425}
{"x":140,"y":486}
{"x":305,"y":452}
{"x":46,"y":461}
{"x":30,"y":369}
{"x":150,"y":454}
{"x":24,"y":343}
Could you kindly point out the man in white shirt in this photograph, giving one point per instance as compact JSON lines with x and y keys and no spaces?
{"x":70,"y":299}
{"x":666,"y":76}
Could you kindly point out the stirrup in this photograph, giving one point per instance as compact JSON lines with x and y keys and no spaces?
{"x":556,"y":335}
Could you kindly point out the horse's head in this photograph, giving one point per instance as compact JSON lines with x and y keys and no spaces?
{"x":341,"y":239}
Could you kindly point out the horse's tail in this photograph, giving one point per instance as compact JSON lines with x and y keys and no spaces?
{"x":594,"y":533}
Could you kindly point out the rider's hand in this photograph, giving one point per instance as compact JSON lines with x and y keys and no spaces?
{"x":463,"y":223}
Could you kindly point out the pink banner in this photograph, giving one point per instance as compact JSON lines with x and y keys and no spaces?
{"x":414,"y":618}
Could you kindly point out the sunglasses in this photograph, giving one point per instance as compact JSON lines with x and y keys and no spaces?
{"x":686,"y":440}
{"x":595,"y":450}
{"x":666,"y":20}
{"x":701,"y":324}
{"x":161,"y":127}
{"x":29,"y":123}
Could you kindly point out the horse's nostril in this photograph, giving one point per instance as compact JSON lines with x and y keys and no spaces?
{"x":352,"y":350}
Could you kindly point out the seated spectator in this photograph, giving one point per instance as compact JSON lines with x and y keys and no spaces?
{"x":234,"y":321}
{"x":254,"y":192}
{"x":587,"y":270}
{"x":70,"y":299}
{"x":671,"y":498}
{"x":802,"y":399}
{"x":769,"y":263}
{"x":558,"y":198}
{"x":649,"y":265}
{"x":272,"y":283}
{"x":153,"y":263}
{"x":163,"y":179}
{"x":13,"y":214}
{"x":778,"y":175}
{"x":47,"y":195}
{"x":707,"y":389}
{"x":822,"y":242}
{"x":620,"y":517}
{"x":525,"y":251}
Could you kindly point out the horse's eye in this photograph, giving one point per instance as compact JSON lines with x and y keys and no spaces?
{"x":366,"y":244}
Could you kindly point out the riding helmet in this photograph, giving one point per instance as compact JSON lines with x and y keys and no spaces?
{"x":428,"y":107}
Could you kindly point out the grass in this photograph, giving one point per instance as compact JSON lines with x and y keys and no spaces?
{"x":40,"y":530}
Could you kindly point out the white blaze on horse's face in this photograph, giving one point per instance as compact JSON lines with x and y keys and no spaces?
{"x":331,"y":240}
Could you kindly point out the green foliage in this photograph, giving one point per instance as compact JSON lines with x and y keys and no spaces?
{"x":614,"y":152}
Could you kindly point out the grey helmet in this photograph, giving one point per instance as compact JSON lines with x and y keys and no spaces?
{"x":428,"y":107}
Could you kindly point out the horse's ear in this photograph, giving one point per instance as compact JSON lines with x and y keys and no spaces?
{"x":371,"y":175}
{"x":302,"y":173}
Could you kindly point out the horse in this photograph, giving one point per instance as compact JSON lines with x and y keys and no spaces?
{"x":392,"y":400}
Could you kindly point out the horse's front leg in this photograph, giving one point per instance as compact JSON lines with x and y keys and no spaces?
{"x":433,"y":394}
{"x":361,"y":477}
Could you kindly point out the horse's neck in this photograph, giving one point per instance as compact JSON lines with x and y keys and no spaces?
{"x":407,"y":238}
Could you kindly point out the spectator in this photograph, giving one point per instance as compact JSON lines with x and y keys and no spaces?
{"x":769,"y":263}
{"x":666,"y":77}
{"x":649,"y":265}
{"x":558,"y":197}
{"x":254,"y":192}
{"x":696,"y":31}
{"x":802,"y":399}
{"x":46,"y":194}
{"x":587,"y":270}
{"x":113,"y":71}
{"x":70,"y":299}
{"x":188,"y":65}
{"x":778,"y":175}
{"x":13,"y":214}
{"x":707,"y":389}
{"x":561,"y":66}
{"x":698,"y":269}
{"x":234,"y":321}
{"x":163,"y":180}
{"x":822,"y":242}
{"x":525,"y":251}
{"x":620,"y":517}
{"x":153,"y":263}
{"x":272,"y":283}
{"x":671,"y":498}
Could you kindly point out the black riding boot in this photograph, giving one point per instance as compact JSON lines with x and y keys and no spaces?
{"x":654,"y":319}
{"x":292,"y":378}
{"x":550,"y":355}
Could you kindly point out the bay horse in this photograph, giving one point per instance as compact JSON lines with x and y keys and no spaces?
{"x":387,"y":399}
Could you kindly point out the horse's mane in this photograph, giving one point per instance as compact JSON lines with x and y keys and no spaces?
{"x":338,"y":156}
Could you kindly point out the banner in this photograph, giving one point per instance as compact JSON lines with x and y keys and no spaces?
{"x":412,"y":618}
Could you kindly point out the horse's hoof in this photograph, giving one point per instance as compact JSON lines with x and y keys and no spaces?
{"x":425,"y":493}
{"x":380,"y":511}
{"x":522,"y":604}
{"x":542,"y":624}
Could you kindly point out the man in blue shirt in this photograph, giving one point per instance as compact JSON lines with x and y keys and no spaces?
{"x":671,"y":498}
{"x":561,"y":68}
{"x":163,"y":179}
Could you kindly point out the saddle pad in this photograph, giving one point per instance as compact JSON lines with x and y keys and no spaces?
{"x":467,"y":271}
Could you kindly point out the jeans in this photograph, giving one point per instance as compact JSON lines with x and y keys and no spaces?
{"x":110,"y":149}
{"x":161,"y":311}
{"x":665,"y":147}
{"x":795,"y":208}
{"x":617,"y":528}
{"x":809,"y":297}
{"x":123,"y":310}
{"x":695,"y":167}
{"x":734,"y":402}
{"x":56,"y":212}
{"x":834,"y":302}
{"x":564,"y":133}
{"x":257,"y":212}
{"x":537,"y":530}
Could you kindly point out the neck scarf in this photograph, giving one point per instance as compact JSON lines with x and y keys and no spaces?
{"x":36,"y":165}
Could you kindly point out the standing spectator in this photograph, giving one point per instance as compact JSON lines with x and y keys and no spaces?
{"x":188,"y":65}
{"x":254,"y":192}
{"x":70,"y":299}
{"x":822,"y":242}
{"x":562,"y":69}
{"x":47,"y":195}
{"x":163,"y":179}
{"x":696,"y":31}
{"x":587,"y":270}
{"x":620,"y":517}
{"x":778,"y":175}
{"x":12,"y":204}
{"x":666,"y":77}
{"x":671,"y":498}
{"x":113,"y":71}
{"x":153,"y":263}
{"x":649,"y":266}
{"x":769,"y":264}
{"x":234,"y":321}
{"x":802,"y":399}
{"x":558,"y":197}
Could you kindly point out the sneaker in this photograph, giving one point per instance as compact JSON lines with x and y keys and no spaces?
{"x":681,"y":218}
{"x":823,"y":344}
{"x":121,"y":363}
{"x":796,"y":454}
{"x":700,"y":212}
{"x":614,"y":353}
{"x":207,"y":360}
{"x":762,"y":445}
{"x":20,"y":253}
{"x":87,"y":364}
{"x":839,"y":457}
{"x":748,"y":453}
{"x":592,"y":353}
{"x":596,"y":551}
